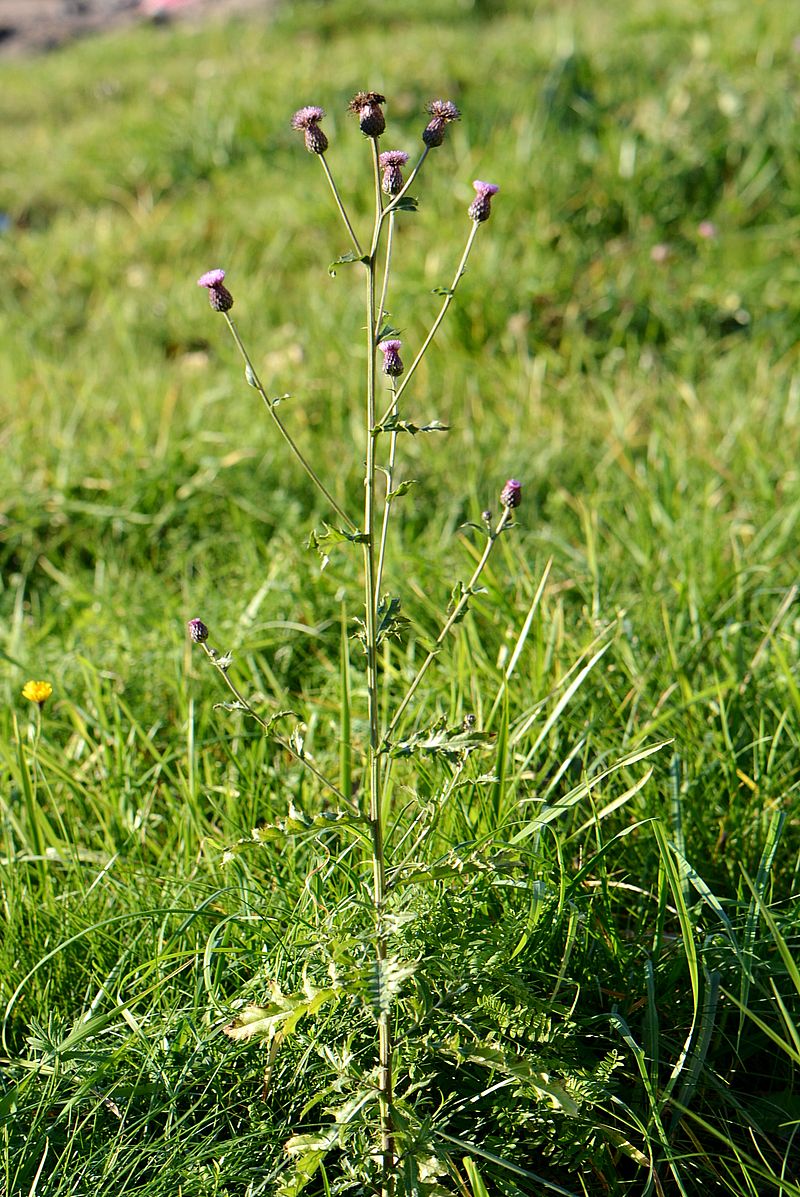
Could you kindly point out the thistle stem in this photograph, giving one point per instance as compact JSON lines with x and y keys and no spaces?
{"x":453,"y":618}
{"x":386,"y":268}
{"x":340,"y":205}
{"x":256,"y":382}
{"x":375,"y":793}
{"x":387,"y":502}
{"x":213,"y":657}
{"x":462,"y":266}
{"x":390,"y":208}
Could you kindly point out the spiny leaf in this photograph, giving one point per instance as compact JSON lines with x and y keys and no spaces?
{"x":391,"y":624}
{"x":384,"y":980}
{"x":395,"y":425}
{"x":298,"y":823}
{"x":282,"y":1014}
{"x":325,"y":540}
{"x":344,"y":260}
{"x":438,"y":738}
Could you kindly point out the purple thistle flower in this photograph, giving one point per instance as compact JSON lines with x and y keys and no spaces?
{"x":442,"y":112}
{"x":391,"y":357}
{"x":511,"y":494}
{"x":391,"y":163}
{"x":481,"y":207}
{"x":367,"y":104}
{"x":198,"y":631}
{"x":219,"y":296}
{"x":308,"y":119}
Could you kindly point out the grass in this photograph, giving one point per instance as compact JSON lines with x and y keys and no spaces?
{"x":606,"y":998}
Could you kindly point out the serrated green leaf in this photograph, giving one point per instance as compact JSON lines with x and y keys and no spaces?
{"x":282,"y":1014}
{"x":395,"y":425}
{"x":384,"y":980}
{"x":407,"y":204}
{"x":542,"y":1084}
{"x":297,"y":823}
{"x":344,"y":260}
{"x":391,"y":624}
{"x":451,"y":742}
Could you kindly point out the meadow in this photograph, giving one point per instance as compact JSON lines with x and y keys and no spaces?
{"x":597,"y":906}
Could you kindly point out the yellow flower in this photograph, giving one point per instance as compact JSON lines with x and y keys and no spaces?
{"x":37,"y":692}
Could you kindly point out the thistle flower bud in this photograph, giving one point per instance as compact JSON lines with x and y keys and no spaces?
{"x":481,"y":207}
{"x":198,"y":631}
{"x":486,"y":516}
{"x":511,"y":494}
{"x":367,"y":104}
{"x":308,"y":119}
{"x":391,"y":357}
{"x":219,"y":296}
{"x":391,"y":164}
{"x":442,"y":112}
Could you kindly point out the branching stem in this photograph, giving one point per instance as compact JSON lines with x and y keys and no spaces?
{"x":214,"y":658}
{"x":255,"y":381}
{"x":448,"y":299}
{"x":341,"y":206}
{"x":452,"y":619}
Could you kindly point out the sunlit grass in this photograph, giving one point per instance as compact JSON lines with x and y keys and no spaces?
{"x":651,"y":410}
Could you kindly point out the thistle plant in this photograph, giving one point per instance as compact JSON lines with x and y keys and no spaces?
{"x":379,"y":619}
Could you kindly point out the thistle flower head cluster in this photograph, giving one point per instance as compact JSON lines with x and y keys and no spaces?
{"x":307,"y":119}
{"x":367,"y":106}
{"x":392,"y":363}
{"x":219,"y":296}
{"x":511,"y":494}
{"x":441,"y":112}
{"x":198,"y":631}
{"x":481,"y":207}
{"x":392,"y":163}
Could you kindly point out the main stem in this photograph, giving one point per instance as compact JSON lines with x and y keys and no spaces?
{"x":375,"y":795}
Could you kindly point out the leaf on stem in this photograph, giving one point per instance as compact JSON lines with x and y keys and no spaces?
{"x":386,"y":331}
{"x":442,"y":291}
{"x":325,"y":540}
{"x":283,"y":1013}
{"x":345,"y":260}
{"x":402,"y":489}
{"x":384,"y":980}
{"x":407,"y":204}
{"x":391,"y":624}
{"x":440,"y":740}
{"x":395,"y":425}
{"x":298,"y":823}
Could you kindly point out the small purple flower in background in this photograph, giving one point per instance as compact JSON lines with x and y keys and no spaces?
{"x":367,"y":104}
{"x":392,"y":163}
{"x":511,"y":494}
{"x":219,"y":296}
{"x":391,"y":357}
{"x":707,"y":230}
{"x":442,"y":112}
{"x":481,"y":207}
{"x":308,"y":119}
{"x":198,"y":631}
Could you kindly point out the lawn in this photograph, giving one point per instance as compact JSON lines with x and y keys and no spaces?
{"x":592,"y":917}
